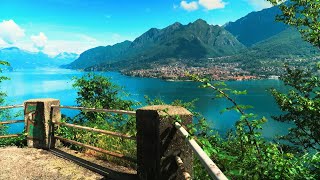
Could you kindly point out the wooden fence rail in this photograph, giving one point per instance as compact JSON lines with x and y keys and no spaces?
{"x":10,"y":136}
{"x":96,"y":110}
{"x":212,"y":169}
{"x":118,"y":155}
{"x":179,"y":162}
{"x":12,"y":106}
{"x":12,"y":121}
{"x":125,"y":136}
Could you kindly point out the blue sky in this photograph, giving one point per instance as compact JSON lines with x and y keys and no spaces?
{"x":55,"y":26}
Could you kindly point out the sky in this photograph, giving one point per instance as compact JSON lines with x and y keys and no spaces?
{"x":55,"y":26}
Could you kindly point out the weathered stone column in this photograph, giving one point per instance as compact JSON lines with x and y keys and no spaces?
{"x":158,"y":142}
{"x":37,"y":116}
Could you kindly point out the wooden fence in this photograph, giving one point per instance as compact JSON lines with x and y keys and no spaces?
{"x":10,"y":121}
{"x":110,"y":133}
{"x":164,"y":147}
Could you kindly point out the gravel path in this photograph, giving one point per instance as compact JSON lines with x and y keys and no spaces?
{"x":29,"y":163}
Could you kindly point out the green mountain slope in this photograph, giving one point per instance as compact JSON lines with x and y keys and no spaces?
{"x":286,"y":43}
{"x":256,"y":26}
{"x":195,"y":40}
{"x":99,"y":55}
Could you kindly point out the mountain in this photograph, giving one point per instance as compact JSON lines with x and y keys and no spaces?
{"x":66,"y":57}
{"x":256,"y":26}
{"x":255,"y":43}
{"x":20,"y":59}
{"x":99,"y":55}
{"x":194,"y":40}
{"x":285,"y":43}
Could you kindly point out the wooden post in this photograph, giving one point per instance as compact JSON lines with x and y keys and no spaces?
{"x":38,"y":115}
{"x":158,"y":142}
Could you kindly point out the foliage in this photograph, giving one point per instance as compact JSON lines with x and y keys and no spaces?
{"x":3,"y":129}
{"x":301,"y":106}
{"x":4,"y":115}
{"x":303,"y":14}
{"x":245,"y":154}
{"x":19,"y":141}
{"x":97,"y":91}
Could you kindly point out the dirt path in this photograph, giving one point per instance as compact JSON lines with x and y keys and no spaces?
{"x":28,"y":163}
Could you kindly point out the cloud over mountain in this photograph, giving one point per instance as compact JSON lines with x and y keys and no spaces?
{"x":191,"y":6}
{"x":39,"y":41}
{"x":212,"y":4}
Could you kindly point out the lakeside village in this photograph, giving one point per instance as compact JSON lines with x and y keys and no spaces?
{"x":227,"y":71}
{"x":214,"y":70}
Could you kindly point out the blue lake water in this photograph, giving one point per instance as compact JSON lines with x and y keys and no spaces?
{"x":57,"y":83}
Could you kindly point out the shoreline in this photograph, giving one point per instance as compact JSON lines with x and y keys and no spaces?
{"x":236,"y":78}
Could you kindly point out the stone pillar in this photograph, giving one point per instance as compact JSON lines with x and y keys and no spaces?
{"x":158,"y":142}
{"x":37,"y":116}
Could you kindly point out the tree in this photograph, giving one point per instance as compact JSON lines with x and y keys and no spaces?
{"x":302,"y":14}
{"x":99,"y":92}
{"x":301,"y":104}
{"x":2,"y":100}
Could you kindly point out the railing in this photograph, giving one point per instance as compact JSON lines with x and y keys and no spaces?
{"x":206,"y":161}
{"x":160,"y":143}
{"x":110,"y":133}
{"x":11,"y":121}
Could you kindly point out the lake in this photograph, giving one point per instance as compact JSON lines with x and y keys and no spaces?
{"x":57,"y":83}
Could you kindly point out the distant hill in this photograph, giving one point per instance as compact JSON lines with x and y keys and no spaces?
{"x":99,"y":55}
{"x":256,"y":26}
{"x":20,"y":59}
{"x":285,"y":43}
{"x":195,"y":40}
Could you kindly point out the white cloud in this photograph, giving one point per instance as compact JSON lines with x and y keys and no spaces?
{"x":189,"y":6}
{"x":259,"y":4}
{"x":12,"y":35}
{"x":55,"y":47}
{"x":212,"y":4}
{"x":39,"y":41}
{"x":10,"y":32}
{"x":2,"y":43}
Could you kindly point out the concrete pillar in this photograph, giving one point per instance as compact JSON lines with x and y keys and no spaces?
{"x":158,"y":142}
{"x":37,"y":116}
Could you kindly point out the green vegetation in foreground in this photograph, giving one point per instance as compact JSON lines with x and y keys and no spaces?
{"x":5,"y":115}
{"x":301,"y":104}
{"x":244,"y":153}
{"x":97,"y":91}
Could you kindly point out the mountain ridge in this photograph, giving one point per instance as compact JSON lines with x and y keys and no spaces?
{"x":194,"y":40}
{"x":22,"y":59}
